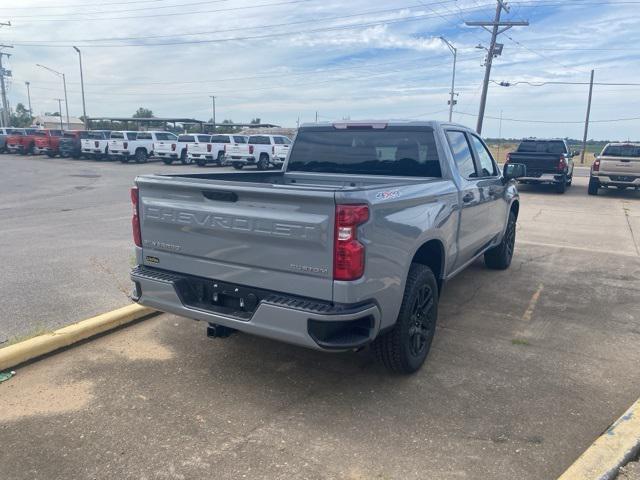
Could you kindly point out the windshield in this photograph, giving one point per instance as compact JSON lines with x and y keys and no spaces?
{"x":542,"y":146}
{"x":622,"y":151}
{"x":403,"y":151}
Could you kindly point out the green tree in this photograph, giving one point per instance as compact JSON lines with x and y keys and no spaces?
{"x":143,"y":113}
{"x":255,"y":121}
{"x":227,"y":127}
{"x":21,"y":117}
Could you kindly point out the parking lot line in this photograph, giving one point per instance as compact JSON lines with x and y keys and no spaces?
{"x":573,"y":247}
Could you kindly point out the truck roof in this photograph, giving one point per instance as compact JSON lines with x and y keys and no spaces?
{"x":623,"y":144}
{"x":381,"y":123}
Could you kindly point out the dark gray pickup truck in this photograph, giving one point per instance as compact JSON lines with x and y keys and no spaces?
{"x":350,"y":245}
{"x":546,"y":161}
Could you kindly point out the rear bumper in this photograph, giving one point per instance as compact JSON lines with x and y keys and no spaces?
{"x":120,"y":153}
{"x":617,"y":179}
{"x":173,"y":156}
{"x":37,"y":149}
{"x":230,"y":160}
{"x":305,"y":322}
{"x":92,"y":151}
{"x":545,"y":178}
{"x":207,"y":157}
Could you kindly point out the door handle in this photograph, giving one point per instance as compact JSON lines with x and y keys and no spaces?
{"x":468,"y":197}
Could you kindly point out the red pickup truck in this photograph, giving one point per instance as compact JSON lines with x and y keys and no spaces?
{"x":22,"y":141}
{"x":48,"y":142}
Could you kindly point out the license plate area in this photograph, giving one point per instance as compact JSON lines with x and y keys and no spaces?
{"x":219,"y":297}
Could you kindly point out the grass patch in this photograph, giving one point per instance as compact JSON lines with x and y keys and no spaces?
{"x":520,"y":341}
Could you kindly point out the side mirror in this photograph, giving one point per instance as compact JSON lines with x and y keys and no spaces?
{"x":512,"y":171}
{"x":575,"y":153}
{"x":595,"y":155}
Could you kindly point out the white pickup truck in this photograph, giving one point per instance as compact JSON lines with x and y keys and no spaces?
{"x":96,"y":145}
{"x":263,"y":151}
{"x":177,"y":148}
{"x":138,"y":145}
{"x":215,"y":149}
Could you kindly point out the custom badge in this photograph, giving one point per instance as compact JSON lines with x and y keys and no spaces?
{"x":387,"y":195}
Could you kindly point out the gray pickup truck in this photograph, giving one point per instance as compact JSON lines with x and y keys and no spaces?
{"x":349,"y":245}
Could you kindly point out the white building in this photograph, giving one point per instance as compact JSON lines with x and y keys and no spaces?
{"x":49,"y":121}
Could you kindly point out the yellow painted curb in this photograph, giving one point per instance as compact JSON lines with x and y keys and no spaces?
{"x":34,"y":347}
{"x":613,"y":449}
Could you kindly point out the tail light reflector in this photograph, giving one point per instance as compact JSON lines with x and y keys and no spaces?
{"x":125,"y":145}
{"x":273,"y":150}
{"x":596,"y":165}
{"x":348,"y":252}
{"x":562,"y":164}
{"x":135,"y":219}
{"x":251,"y":149}
{"x":208,"y":147}
{"x":225,"y":148}
{"x":96,"y":143}
{"x":508,"y":158}
{"x":173,"y":147}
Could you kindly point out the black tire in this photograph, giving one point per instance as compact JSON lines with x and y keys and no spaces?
{"x":51,"y":155}
{"x":124,"y":159}
{"x":201,"y":162}
{"x":263,"y":162}
{"x":561,"y":187}
{"x":404,"y":348}
{"x":569,"y":181}
{"x":184,"y":158}
{"x":167,"y":161}
{"x":238,"y":166}
{"x":141,"y":155}
{"x":220,"y":158}
{"x":593,"y":187}
{"x":499,"y":257}
{"x":28,"y":150}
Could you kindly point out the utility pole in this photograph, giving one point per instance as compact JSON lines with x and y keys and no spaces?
{"x":494,"y":50}
{"x":213,"y":111}
{"x":3,"y":90}
{"x":29,"y":99}
{"x":454,"y":50}
{"x":60,"y":111}
{"x":316,"y":116}
{"x":84,"y":108}
{"x":586,"y":122}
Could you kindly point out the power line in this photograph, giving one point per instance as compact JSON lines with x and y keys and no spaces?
{"x":74,"y":5}
{"x":232,"y":39}
{"x":554,"y":122}
{"x":553,"y":82}
{"x":243,"y":28}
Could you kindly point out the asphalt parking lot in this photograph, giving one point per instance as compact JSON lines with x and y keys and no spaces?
{"x":528,"y":366}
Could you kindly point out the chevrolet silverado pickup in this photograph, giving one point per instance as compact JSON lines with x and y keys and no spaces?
{"x":617,"y":166}
{"x":177,"y":148}
{"x":263,"y":151}
{"x":215,"y":149}
{"x":22,"y":140}
{"x":96,"y":144}
{"x":47,"y":142}
{"x":349,"y":245}
{"x":546,"y":161}
{"x":70,"y":144}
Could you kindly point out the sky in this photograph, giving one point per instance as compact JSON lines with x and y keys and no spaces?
{"x":284,"y":60}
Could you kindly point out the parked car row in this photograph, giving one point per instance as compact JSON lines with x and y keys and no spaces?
{"x":262,"y":151}
{"x":550,"y":161}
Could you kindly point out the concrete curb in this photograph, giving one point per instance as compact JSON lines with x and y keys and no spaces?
{"x":34,"y":347}
{"x":612,"y":450}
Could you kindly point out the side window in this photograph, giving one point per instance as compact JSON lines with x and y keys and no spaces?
{"x":278,"y":140}
{"x":487,"y":167}
{"x":461,"y":153}
{"x":143,"y":136}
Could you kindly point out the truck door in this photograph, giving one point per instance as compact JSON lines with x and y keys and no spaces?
{"x":473,"y":232}
{"x":491,"y":188}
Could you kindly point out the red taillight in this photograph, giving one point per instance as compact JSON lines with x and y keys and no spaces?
{"x":135,"y":219}
{"x":273,"y":150}
{"x":251,"y":149}
{"x":225,"y":148}
{"x":348,"y":252}
{"x":96,"y":144}
{"x":508,"y":158}
{"x":562,"y":164}
{"x":125,"y":145}
{"x":596,"y":165}
{"x":208,"y":147}
{"x":173,"y":147}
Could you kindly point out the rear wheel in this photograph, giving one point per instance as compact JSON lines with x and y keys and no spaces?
{"x":124,"y":159}
{"x":263,"y":162}
{"x":184,"y":158}
{"x":562,"y":186}
{"x":593,"y":186}
{"x":404,"y":348}
{"x":499,"y":257}
{"x":220,"y":158}
{"x":50,"y":154}
{"x":141,"y":155}
{"x":167,"y":161}
{"x":569,"y":181}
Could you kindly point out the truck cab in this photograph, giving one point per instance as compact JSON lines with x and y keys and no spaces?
{"x":178,"y":148}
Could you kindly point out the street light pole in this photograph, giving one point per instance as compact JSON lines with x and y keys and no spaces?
{"x":84,"y":108}
{"x":454,"y":50}
{"x":60,"y":111}
{"x":29,"y":99}
{"x":213,"y":111}
{"x":64,"y":84}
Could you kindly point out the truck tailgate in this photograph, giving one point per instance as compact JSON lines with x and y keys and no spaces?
{"x":260,"y":235}
{"x":238,"y":150}
{"x":537,"y":163}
